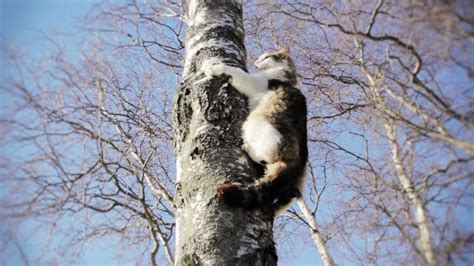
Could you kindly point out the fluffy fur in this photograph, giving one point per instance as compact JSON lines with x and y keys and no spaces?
{"x":274,"y":133}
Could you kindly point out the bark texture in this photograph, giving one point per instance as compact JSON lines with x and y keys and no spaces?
{"x":208,"y":115}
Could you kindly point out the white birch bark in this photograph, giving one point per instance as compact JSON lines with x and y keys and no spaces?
{"x":316,"y":234}
{"x":420,"y":211}
{"x":208,"y":114}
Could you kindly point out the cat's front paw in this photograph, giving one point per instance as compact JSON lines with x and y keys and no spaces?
{"x":245,"y":147}
{"x":213,"y":70}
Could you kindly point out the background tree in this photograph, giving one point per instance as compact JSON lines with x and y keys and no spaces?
{"x":371,"y":64}
{"x":87,"y":141}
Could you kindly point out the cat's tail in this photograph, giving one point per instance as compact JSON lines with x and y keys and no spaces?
{"x":277,"y":188}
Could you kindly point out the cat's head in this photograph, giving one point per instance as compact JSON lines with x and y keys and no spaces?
{"x":280,"y":58}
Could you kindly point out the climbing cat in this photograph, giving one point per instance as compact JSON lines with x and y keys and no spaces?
{"x":274,"y":133}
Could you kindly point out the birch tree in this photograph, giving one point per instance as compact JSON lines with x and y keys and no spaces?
{"x":208,"y":115}
{"x":89,"y":152}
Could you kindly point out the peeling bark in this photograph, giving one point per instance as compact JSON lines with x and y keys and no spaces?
{"x":207,"y":117}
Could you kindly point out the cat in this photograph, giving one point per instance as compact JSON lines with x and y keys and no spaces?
{"x":274,"y":133}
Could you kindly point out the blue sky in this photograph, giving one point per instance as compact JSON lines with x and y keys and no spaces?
{"x":23,"y":23}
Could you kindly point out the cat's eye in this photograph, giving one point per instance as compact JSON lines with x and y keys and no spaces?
{"x":264,"y":58}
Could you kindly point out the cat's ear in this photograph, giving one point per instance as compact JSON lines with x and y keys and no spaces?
{"x":285,"y":51}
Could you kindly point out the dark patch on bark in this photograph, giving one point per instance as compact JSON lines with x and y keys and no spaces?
{"x":183,"y":117}
{"x":262,"y":257}
{"x":227,"y":34}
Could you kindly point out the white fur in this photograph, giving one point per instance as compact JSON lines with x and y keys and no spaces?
{"x":265,"y":62}
{"x":261,"y":139}
{"x":254,"y":86}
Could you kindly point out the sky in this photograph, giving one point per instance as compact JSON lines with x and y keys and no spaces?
{"x":23,"y":23}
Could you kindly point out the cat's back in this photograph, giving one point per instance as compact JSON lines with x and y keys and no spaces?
{"x":284,"y":109}
{"x":282,"y":103}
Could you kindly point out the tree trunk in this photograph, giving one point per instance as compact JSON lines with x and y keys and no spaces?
{"x":208,"y":114}
{"x":416,"y":201}
{"x":315,"y":234}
